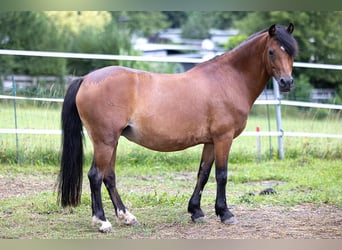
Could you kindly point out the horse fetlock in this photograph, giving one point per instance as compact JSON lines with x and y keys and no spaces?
{"x":126,"y":217}
{"x":105,"y":226}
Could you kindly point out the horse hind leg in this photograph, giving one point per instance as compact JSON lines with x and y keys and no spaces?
{"x":98,"y":215}
{"x":99,"y":172}
{"x":123,"y":215}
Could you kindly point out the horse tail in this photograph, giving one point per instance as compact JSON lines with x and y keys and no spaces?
{"x":70,"y":175}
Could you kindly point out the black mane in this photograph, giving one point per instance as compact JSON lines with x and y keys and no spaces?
{"x":283,"y":37}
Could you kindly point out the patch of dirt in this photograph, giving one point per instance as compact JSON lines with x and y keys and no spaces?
{"x":304,"y":221}
{"x":19,"y":185}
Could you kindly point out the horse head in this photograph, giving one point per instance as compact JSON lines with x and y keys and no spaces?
{"x":280,"y":51}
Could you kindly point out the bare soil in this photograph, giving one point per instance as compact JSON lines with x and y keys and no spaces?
{"x":304,"y":221}
{"x":20,"y":185}
{"x":266,"y":222}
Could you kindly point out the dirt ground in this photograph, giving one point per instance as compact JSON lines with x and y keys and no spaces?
{"x":267,"y":222}
{"x":305,"y":221}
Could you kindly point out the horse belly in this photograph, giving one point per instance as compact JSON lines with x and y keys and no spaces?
{"x":165,"y":139}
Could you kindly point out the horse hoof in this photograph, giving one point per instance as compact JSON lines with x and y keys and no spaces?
{"x":105,"y":228}
{"x":199,"y":220}
{"x":127,"y":218}
{"x":230,"y":221}
{"x":132,"y":222}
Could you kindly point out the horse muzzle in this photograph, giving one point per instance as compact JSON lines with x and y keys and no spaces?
{"x":285,"y":83}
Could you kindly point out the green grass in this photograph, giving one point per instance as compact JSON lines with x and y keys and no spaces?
{"x":159,"y":195}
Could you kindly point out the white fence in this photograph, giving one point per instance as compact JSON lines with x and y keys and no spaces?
{"x":278,"y":102}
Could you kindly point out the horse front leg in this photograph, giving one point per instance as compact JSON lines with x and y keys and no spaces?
{"x":206,"y":163}
{"x":222,"y":149}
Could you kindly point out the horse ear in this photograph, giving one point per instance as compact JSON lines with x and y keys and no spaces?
{"x":272,"y":30}
{"x":290,"y":28}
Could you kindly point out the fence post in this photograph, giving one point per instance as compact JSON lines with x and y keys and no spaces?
{"x":14,"y":89}
{"x":278,"y":118}
{"x":258,"y":143}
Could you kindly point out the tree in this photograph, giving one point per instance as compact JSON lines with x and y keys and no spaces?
{"x":235,"y":41}
{"x":141,"y":23}
{"x":88,"y":32}
{"x":176,"y":19}
{"x":197,"y":25}
{"x":225,"y":19}
{"x":30,"y":31}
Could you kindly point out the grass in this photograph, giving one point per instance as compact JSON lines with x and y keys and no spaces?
{"x":156,"y":186}
{"x":159,"y":195}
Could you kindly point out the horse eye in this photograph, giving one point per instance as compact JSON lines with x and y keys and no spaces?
{"x":271,"y":52}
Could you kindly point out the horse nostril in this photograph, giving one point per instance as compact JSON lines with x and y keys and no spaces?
{"x":286,"y":83}
{"x":282,"y":82}
{"x":291,"y":81}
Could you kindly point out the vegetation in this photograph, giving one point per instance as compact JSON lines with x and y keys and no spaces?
{"x":156,"y":187}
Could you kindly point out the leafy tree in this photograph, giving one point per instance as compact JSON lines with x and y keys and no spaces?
{"x":30,"y":31}
{"x":235,"y":41}
{"x":71,"y":23}
{"x":302,"y":89}
{"x":176,"y":19}
{"x":225,"y":19}
{"x":88,"y":32}
{"x":197,"y":25}
{"x":141,"y":23}
{"x":104,"y":32}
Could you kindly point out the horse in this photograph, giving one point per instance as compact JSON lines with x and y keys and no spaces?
{"x":208,"y":104}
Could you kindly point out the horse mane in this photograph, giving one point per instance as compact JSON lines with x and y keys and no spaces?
{"x":285,"y":39}
{"x":282,"y":36}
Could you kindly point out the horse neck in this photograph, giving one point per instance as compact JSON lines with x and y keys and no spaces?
{"x":248,"y":60}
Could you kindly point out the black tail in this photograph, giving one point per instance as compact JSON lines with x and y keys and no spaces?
{"x":70,"y":175}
